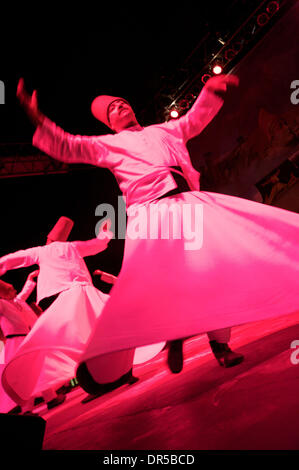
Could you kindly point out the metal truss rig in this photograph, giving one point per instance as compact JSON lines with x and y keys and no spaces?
{"x":229,"y":51}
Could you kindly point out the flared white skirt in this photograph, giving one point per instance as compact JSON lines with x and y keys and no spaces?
{"x":198,"y":262}
{"x":48,"y":356}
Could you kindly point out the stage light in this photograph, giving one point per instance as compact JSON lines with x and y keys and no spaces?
{"x":174,"y":114}
{"x":191,"y":96}
{"x":205,"y":78}
{"x":184,"y":103}
{"x":217,"y":69}
{"x":272,"y":7}
{"x":262,"y":19}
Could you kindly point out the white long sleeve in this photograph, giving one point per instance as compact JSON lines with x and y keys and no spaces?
{"x":91,"y":247}
{"x":18,"y":259}
{"x":140,"y":158}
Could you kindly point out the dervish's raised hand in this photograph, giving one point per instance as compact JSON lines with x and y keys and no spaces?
{"x":105,"y":233}
{"x":29,"y":103}
{"x":33,"y":275}
{"x":219,"y":83}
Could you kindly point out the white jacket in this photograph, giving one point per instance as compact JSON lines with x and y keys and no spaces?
{"x":61,"y":264}
{"x":138,"y":157}
{"x":16,"y":317}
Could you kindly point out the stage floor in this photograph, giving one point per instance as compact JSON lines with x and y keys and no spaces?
{"x":254,"y":405}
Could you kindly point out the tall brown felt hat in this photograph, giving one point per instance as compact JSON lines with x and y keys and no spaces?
{"x":61,"y":230}
{"x":100,"y":107}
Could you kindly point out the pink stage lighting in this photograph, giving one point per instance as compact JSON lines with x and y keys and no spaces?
{"x":217,"y":69}
{"x":174,"y":114}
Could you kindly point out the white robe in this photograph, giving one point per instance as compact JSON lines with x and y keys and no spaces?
{"x":16,"y":318}
{"x":245,"y":269}
{"x":49,"y":354}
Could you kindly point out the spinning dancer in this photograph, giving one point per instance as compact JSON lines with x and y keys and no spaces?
{"x":49,"y":354}
{"x":16,"y":320}
{"x":240,"y":264}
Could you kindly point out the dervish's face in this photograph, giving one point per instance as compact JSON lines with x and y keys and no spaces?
{"x":121,"y":115}
{"x":7,"y":291}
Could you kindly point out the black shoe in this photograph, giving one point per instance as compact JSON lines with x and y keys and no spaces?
{"x":56,"y":401}
{"x":102,"y":392}
{"x":29,"y":413}
{"x":224,"y":355}
{"x":175,"y":357}
{"x":38,"y":401}
{"x":106,"y":388}
{"x":15,"y":411}
{"x":132,"y":379}
{"x":89,"y":385}
{"x":90,"y":397}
